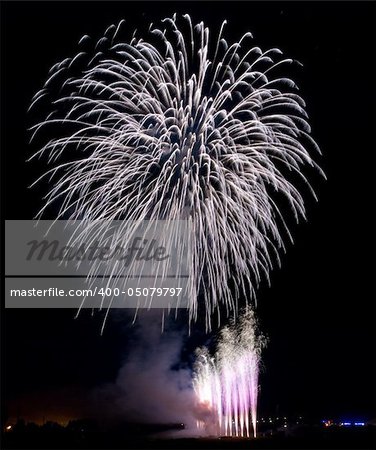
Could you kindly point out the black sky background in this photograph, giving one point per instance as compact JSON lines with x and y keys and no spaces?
{"x":318,"y":313}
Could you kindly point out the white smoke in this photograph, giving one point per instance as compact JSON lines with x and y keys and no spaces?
{"x":152,"y":385}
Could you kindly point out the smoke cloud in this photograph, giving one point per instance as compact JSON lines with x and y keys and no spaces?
{"x":153,"y":385}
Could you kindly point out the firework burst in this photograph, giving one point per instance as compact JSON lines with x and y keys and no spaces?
{"x":226,"y":385}
{"x":181,"y":125}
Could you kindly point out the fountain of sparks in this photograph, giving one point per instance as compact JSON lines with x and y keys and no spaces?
{"x":226,"y":385}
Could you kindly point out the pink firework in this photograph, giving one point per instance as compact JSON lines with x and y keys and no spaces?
{"x":226,"y":385}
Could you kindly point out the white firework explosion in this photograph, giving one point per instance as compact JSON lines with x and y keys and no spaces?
{"x":181,"y":126}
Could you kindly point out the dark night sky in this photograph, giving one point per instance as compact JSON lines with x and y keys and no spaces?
{"x":318,"y":313}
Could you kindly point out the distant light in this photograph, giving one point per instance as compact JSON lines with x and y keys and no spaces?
{"x":285,"y":418}
{"x":345,"y":424}
{"x":9,"y":427}
{"x":359,"y":424}
{"x":284,"y":426}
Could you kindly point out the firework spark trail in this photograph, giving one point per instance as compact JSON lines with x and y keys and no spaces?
{"x":227,"y":384}
{"x":180,"y":126}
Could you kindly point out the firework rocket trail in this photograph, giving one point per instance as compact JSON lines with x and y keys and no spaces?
{"x":181,"y":125}
{"x":227,"y":384}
